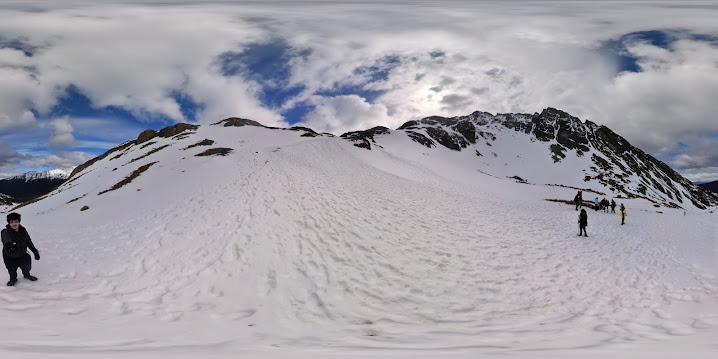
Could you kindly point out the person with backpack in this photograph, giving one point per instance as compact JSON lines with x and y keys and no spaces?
{"x":16,"y":241}
{"x":582,"y":223}
{"x":622,"y":210}
{"x":613,"y":206}
{"x":575,"y":201}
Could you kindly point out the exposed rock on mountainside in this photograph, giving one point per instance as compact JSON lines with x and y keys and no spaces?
{"x":6,"y":200}
{"x":614,"y":162}
{"x":237,"y":122}
{"x":365,"y":138}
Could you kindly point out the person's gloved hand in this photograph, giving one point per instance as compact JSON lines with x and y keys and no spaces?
{"x":37,"y":256}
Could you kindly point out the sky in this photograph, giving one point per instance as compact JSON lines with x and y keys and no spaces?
{"x":80,"y":77}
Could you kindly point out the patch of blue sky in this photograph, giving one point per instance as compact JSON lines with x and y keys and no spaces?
{"x":187,"y":105}
{"x":95,"y":151}
{"x":359,"y":90}
{"x":90,"y":133}
{"x":296,"y":114}
{"x":618,"y":48}
{"x":75,"y":104}
{"x":379,"y":71}
{"x":368,"y":77}
{"x":19,"y":44}
{"x":268,"y":64}
{"x":371,"y":75}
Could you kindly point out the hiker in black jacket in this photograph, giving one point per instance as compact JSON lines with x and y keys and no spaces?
{"x":582,"y":223}
{"x":15,"y":243}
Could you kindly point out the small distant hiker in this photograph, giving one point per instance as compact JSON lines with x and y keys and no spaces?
{"x":16,"y":241}
{"x":575,"y":201}
{"x":605,"y":205}
{"x":623,"y":214}
{"x":613,"y":206}
{"x":580,"y":199}
{"x":582,"y":223}
{"x":595,"y":204}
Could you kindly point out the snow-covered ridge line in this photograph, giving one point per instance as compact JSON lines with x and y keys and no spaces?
{"x":612,"y":161}
{"x":58,"y":173}
{"x":547,"y":148}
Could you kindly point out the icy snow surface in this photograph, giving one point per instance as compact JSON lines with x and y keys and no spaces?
{"x":311,"y":247}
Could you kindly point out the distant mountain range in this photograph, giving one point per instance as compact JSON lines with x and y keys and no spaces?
{"x":711,"y":186}
{"x":32,"y":184}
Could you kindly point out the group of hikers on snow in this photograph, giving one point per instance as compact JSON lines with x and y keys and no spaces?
{"x":602,"y":205}
{"x":15,"y":243}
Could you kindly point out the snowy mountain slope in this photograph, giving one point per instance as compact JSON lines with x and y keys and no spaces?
{"x":295,"y":244}
{"x":552,"y":148}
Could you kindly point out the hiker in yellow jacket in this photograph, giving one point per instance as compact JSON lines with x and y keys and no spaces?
{"x":623,"y":214}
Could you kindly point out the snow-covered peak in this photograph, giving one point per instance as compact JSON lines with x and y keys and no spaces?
{"x":58,"y":173}
{"x":551,"y":148}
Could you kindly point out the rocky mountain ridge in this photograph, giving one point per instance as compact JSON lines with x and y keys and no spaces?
{"x":547,"y":148}
{"x":613,"y":162}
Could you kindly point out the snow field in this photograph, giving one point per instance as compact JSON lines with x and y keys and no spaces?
{"x":318,"y":247}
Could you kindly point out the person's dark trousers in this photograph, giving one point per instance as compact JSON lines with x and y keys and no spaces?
{"x":12,"y":264}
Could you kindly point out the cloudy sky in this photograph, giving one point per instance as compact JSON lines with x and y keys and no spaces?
{"x":80,"y":77}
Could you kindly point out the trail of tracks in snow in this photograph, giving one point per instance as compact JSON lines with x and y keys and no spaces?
{"x":341,"y":254}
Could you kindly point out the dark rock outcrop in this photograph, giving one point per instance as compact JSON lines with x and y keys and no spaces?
{"x":217,"y":151}
{"x":365,"y":138}
{"x":176,"y":129}
{"x":6,"y":200}
{"x":145,"y":136}
{"x":237,"y":122}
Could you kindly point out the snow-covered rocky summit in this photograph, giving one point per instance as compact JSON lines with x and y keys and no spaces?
{"x":58,"y":173}
{"x":569,"y":152}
